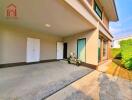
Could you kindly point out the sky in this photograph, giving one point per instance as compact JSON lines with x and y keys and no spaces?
{"x":123,"y":27}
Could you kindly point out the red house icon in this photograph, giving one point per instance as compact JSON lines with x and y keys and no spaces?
{"x":11,"y":11}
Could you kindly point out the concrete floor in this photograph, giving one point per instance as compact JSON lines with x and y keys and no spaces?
{"x":37,"y":81}
{"x":96,"y":86}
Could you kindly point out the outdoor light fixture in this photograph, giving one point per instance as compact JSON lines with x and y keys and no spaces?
{"x":47,"y":25}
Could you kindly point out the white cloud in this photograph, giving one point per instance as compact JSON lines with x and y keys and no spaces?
{"x":115,"y":30}
{"x":120,"y":30}
{"x":121,"y":23}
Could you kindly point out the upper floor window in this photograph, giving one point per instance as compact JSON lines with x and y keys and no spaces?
{"x":97,"y":10}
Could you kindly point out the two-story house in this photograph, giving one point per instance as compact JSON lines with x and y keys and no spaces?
{"x":47,"y":30}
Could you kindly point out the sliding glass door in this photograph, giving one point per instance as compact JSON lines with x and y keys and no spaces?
{"x":81,"y":49}
{"x":99,"y":50}
{"x":105,"y":50}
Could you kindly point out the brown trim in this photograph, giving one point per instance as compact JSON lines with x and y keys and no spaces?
{"x":104,"y":39}
{"x":109,"y":49}
{"x":104,"y":61}
{"x":25,"y":63}
{"x":89,"y":65}
{"x":116,"y":10}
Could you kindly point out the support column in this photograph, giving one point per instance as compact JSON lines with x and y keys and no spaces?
{"x":109,"y":49}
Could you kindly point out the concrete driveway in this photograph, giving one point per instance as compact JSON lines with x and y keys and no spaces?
{"x":97,"y":85}
{"x":37,"y":81}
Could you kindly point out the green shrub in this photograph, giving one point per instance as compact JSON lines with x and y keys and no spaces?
{"x":126,"y":52}
{"x":128,"y":64}
{"x":116,"y":53}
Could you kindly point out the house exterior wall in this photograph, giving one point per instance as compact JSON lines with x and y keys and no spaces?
{"x":13,"y":40}
{"x":91,"y":45}
{"x":1,"y":47}
{"x":90,"y":2}
{"x":105,"y":20}
{"x":104,"y":32}
{"x":104,"y":48}
{"x":14,"y":44}
{"x":116,"y":44}
{"x":87,"y":11}
{"x":76,"y":5}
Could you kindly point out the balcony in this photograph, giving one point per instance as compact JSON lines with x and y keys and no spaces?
{"x":85,"y":9}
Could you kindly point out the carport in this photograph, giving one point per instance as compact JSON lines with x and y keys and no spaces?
{"x":37,"y":81}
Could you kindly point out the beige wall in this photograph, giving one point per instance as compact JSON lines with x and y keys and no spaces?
{"x":105,"y":20}
{"x":91,"y":45}
{"x":13,"y":44}
{"x":1,"y":46}
{"x":90,"y":2}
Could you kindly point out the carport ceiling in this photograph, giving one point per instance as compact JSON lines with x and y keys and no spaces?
{"x":35,"y":14}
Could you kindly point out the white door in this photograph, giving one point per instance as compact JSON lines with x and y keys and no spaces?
{"x":36,"y":50}
{"x":59,"y":50}
{"x":33,"y":50}
{"x":30,"y":49}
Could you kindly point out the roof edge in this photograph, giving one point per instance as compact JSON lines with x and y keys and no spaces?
{"x":115,"y":10}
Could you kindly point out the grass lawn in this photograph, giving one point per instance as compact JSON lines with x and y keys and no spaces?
{"x":116,"y":70}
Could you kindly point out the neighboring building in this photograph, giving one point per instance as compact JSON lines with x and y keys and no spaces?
{"x":116,"y":42}
{"x":52,"y":29}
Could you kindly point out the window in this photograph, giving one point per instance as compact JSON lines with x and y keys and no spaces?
{"x":105,"y":49}
{"x":99,"y":50}
{"x":97,"y":10}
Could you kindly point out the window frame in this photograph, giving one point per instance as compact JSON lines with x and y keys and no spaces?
{"x":96,"y":6}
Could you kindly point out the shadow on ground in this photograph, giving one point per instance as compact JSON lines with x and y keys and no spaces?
{"x":115,"y":69}
{"x":111,"y":90}
{"x":78,"y":95}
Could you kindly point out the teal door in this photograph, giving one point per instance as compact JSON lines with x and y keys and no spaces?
{"x":81,"y":49}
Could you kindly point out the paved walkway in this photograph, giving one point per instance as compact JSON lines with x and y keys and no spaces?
{"x":34,"y":82}
{"x":37,"y":81}
{"x":96,"y":86}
